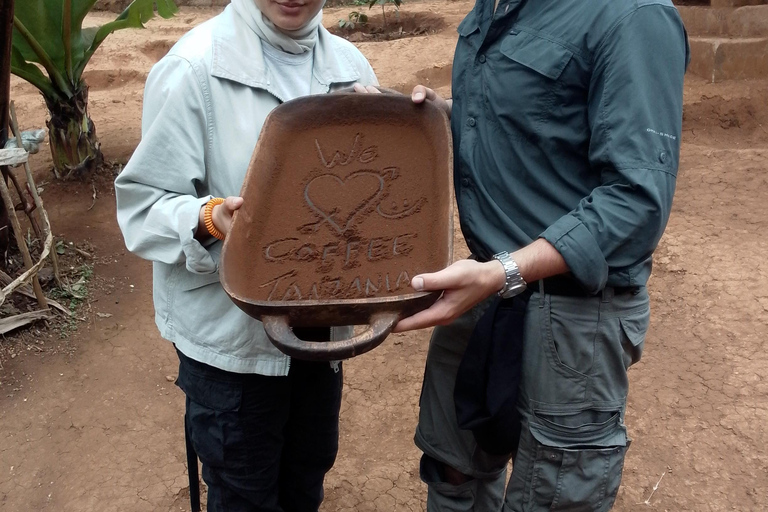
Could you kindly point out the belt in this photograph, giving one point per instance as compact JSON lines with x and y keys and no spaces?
{"x":569,"y":287}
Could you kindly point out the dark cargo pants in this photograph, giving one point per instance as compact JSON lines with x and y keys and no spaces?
{"x":572,"y":399}
{"x":266,"y":443}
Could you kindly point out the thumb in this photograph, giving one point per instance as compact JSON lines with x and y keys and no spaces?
{"x":432,"y":282}
{"x":421,"y":94}
{"x":453,"y":276}
{"x":233,"y":203}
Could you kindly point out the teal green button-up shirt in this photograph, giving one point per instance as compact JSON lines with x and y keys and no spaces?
{"x":566,"y":121}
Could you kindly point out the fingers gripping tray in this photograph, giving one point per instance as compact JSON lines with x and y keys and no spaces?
{"x":347,"y":197}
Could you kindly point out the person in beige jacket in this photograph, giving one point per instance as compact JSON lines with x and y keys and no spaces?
{"x":264,"y":427}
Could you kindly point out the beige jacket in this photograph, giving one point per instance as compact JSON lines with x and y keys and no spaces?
{"x":204,"y":106}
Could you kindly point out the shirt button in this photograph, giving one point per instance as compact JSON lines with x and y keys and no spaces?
{"x":663,"y":157}
{"x":465,"y":182}
{"x":471,"y":122}
{"x":481,"y":58}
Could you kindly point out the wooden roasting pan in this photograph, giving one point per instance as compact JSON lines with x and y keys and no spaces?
{"x":347,"y":197}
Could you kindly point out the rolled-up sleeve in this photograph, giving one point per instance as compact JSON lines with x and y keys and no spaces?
{"x":158,"y":200}
{"x":635,"y":117}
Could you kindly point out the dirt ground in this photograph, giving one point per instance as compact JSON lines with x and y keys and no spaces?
{"x":94,"y":422}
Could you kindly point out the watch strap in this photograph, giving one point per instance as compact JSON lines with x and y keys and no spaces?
{"x":514,"y":283}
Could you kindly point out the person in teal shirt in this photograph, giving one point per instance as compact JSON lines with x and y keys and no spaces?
{"x":566,"y":119}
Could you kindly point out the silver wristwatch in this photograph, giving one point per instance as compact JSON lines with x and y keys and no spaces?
{"x":515,"y":283}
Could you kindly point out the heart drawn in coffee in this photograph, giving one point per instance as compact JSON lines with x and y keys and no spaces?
{"x":339,"y":202}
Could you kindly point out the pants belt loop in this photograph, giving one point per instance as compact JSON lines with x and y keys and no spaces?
{"x":542,"y":291}
{"x":607,"y":294}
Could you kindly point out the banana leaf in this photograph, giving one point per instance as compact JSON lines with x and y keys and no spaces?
{"x":50,"y":34}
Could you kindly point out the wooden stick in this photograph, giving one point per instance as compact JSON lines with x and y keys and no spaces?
{"x":33,"y":189}
{"x":6,"y":36}
{"x":6,"y":195}
{"x":24,"y":192}
{"x":19,"y":192}
{"x":33,"y":270}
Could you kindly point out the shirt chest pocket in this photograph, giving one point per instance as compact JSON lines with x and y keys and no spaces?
{"x":529,"y":76}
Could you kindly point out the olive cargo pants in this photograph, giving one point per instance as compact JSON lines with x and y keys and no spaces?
{"x":572,"y":400}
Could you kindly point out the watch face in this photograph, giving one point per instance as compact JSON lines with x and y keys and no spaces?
{"x":511,"y":292}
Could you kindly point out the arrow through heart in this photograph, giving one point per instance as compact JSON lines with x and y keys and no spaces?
{"x":340,"y":202}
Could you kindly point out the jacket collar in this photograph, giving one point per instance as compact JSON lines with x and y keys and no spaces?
{"x":237,"y":56}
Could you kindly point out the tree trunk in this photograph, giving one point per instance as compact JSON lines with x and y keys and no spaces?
{"x":6,"y":30}
{"x":74,"y":146}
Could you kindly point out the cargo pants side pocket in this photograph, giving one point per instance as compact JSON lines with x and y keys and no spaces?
{"x":569,"y":460}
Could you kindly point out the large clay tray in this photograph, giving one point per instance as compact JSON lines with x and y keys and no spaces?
{"x":347,"y":197}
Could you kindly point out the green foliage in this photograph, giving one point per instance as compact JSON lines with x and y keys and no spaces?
{"x":50,"y":50}
{"x":48,"y":34}
{"x":74,"y":295}
{"x":355,"y":18}
{"x":384,"y":3}
{"x":396,"y":3}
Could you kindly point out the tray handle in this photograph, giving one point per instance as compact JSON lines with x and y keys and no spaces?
{"x":281,"y":335}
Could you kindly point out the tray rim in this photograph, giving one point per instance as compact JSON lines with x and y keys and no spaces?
{"x":275,"y":117}
{"x":392,"y":299}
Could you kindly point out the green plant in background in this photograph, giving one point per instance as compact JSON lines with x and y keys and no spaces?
{"x":354,"y":18}
{"x":73,"y":295}
{"x":48,"y":35}
{"x":383,"y":4}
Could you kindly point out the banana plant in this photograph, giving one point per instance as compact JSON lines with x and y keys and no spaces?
{"x":50,"y":50}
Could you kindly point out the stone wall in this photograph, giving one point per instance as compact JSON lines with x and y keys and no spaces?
{"x":737,"y":3}
{"x":721,"y":3}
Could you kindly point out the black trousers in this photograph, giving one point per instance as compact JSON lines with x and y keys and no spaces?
{"x":266,"y":443}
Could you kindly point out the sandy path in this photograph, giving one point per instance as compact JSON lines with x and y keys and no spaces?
{"x":100,"y":429}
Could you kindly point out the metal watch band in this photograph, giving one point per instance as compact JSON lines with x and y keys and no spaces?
{"x":515,"y":284}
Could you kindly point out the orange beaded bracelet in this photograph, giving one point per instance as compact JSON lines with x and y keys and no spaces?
{"x":207,"y":217}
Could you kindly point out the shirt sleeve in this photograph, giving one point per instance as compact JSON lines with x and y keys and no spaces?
{"x":635,"y":116}
{"x":158,"y":204}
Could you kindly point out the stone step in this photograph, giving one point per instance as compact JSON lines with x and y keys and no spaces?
{"x":751,"y":21}
{"x":718,"y":59}
{"x":734,"y":3}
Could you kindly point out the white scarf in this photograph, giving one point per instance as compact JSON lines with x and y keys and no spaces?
{"x":289,"y":41}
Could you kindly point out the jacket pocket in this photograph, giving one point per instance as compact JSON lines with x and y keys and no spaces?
{"x":189,"y":281}
{"x":536,"y":53}
{"x":200,"y":311}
